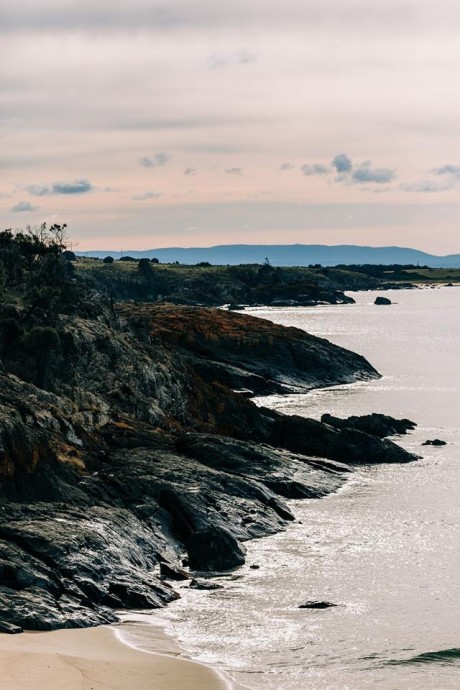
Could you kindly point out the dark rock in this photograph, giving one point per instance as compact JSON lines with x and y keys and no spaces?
{"x":204,"y":584}
{"x":214,"y":549}
{"x":168,"y":572}
{"x":356,"y":447}
{"x":129,"y":596}
{"x":247,"y":519}
{"x":350,"y":446}
{"x":435,"y":442}
{"x":317,"y":605}
{"x":272,"y":467}
{"x":10,"y":628}
{"x":382,"y":300}
{"x":254,"y":567}
{"x":380,"y":425}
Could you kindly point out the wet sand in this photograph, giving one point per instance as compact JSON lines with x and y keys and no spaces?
{"x":95,"y":659}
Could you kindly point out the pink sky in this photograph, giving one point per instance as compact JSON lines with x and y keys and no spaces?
{"x":149,"y":124}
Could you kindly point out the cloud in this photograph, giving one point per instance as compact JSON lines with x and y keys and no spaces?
{"x":453,"y":170}
{"x":146,"y":195}
{"x":80,"y":186}
{"x":286,"y":166}
{"x":156,"y":160}
{"x":428,"y":186}
{"x":365,"y":173}
{"x":314,"y":169}
{"x":190,"y":171}
{"x":342,"y":163}
{"x":242,"y":57}
{"x":234,"y":171}
{"x":22,"y":207}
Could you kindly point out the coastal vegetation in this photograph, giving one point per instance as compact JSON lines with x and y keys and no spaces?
{"x":203,"y":284}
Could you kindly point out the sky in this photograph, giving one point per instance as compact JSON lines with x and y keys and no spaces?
{"x":156,"y":123}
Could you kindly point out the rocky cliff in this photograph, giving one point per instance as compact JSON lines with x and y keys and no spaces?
{"x":138,"y":459}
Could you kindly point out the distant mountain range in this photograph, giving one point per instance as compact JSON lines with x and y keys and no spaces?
{"x":290,"y":255}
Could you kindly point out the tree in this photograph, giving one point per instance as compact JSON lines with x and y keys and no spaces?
{"x":144,"y":267}
{"x":43,"y":344}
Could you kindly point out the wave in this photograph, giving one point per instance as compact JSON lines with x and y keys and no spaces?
{"x":443,"y":656}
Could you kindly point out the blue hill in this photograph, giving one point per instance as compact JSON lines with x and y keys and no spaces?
{"x":291,"y":255}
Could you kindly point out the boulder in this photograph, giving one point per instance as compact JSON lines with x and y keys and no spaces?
{"x":382,"y":300}
{"x":214,"y":549}
{"x":435,"y":442}
{"x":317,"y":605}
{"x":10,"y":628}
{"x":204,"y":584}
{"x":168,"y":572}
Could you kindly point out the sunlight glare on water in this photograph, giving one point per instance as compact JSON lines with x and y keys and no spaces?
{"x":385,"y":548}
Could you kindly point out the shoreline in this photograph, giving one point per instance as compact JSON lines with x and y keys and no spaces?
{"x":97,"y":659}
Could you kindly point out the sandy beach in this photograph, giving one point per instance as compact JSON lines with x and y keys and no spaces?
{"x":94,"y":659}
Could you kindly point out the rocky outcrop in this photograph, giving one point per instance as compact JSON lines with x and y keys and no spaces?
{"x":379,"y":425}
{"x":241,"y":351}
{"x":138,"y":462}
{"x":348,"y":445}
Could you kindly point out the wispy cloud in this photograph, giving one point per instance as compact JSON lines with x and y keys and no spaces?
{"x":309,"y":169}
{"x":23,"y":207}
{"x":428,"y":186}
{"x":234,"y":171}
{"x":452,"y":170}
{"x":81,"y":186}
{"x":145,"y":196}
{"x":156,"y":160}
{"x":286,"y":166}
{"x":446,"y":177}
{"x":190,"y":171}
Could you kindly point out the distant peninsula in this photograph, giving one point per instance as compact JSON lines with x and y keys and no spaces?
{"x":289,"y":255}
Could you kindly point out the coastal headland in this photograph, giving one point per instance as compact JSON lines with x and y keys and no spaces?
{"x":139,"y":464}
{"x":133,"y":457}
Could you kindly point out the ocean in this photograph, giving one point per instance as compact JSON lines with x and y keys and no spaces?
{"x":385,"y":548}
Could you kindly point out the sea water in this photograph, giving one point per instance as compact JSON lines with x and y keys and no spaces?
{"x":385,"y":548}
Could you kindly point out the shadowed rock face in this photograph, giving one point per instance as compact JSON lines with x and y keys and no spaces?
{"x":137,"y":459}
